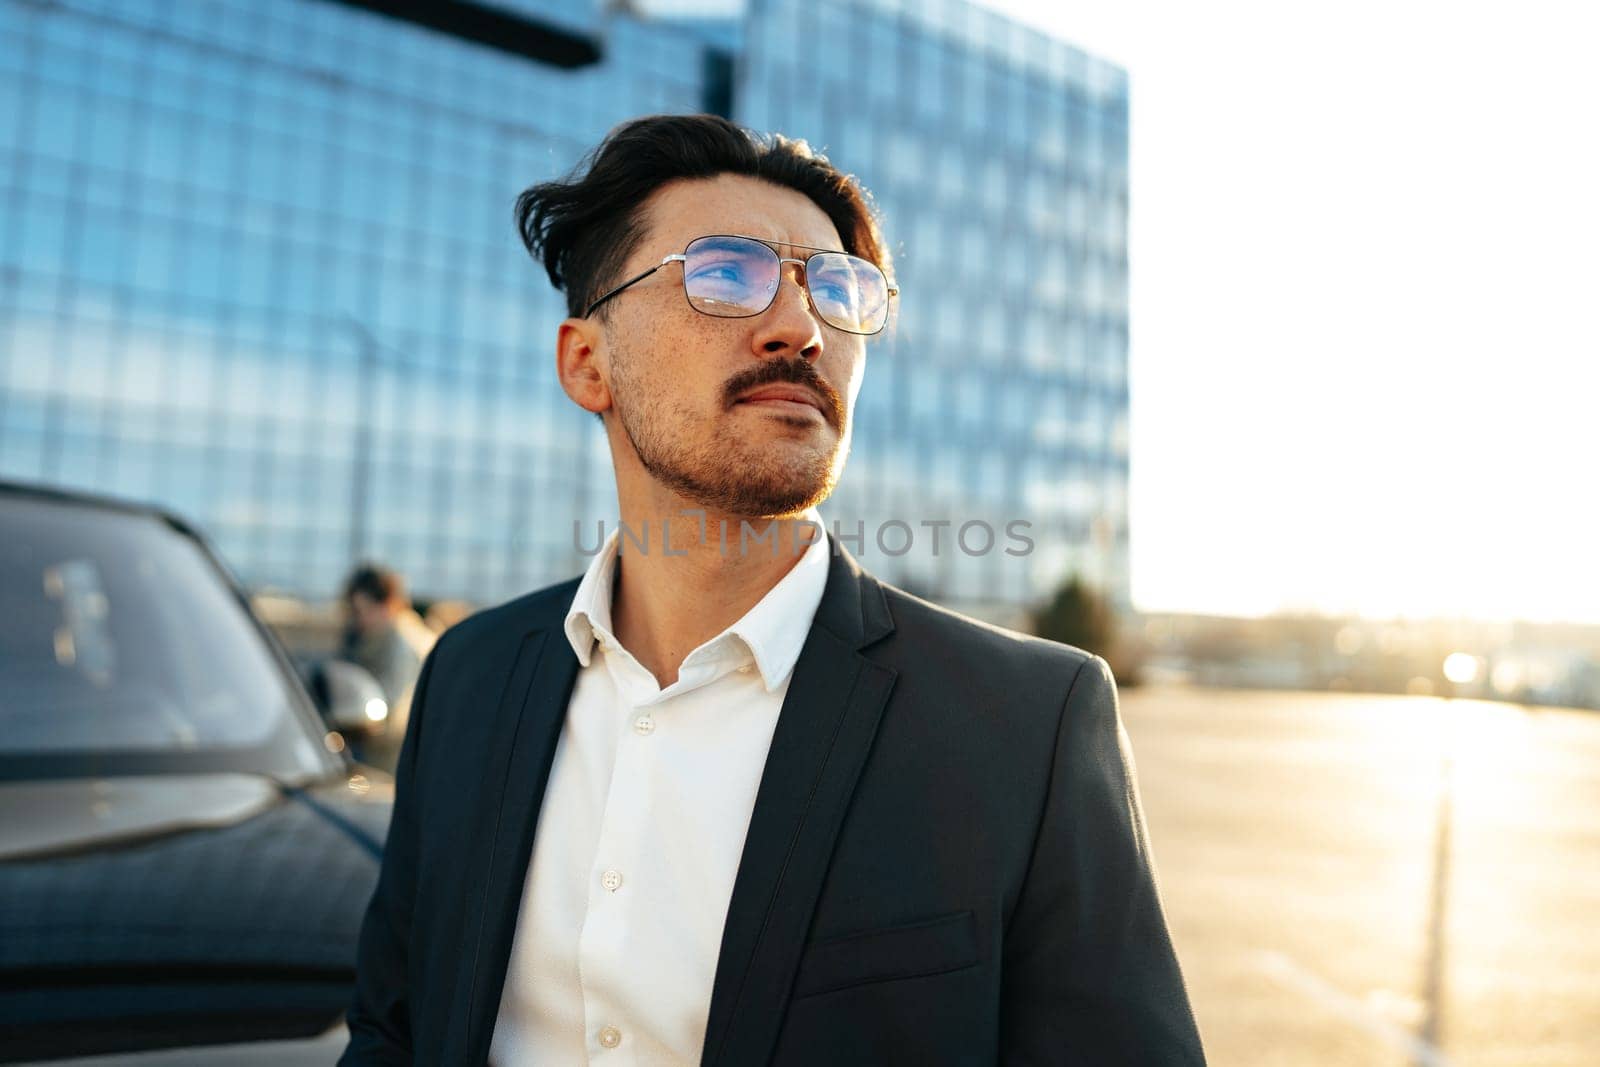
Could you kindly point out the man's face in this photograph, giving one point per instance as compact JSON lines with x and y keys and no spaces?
{"x":369,"y":616}
{"x":681,"y":381}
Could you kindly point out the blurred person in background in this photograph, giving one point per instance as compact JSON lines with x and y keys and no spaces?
{"x":715,"y":803}
{"x":386,"y":636}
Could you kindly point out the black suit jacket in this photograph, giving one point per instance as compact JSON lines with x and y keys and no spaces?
{"x":946,"y":862}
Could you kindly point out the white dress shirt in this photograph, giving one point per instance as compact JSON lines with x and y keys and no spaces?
{"x":641,"y":829}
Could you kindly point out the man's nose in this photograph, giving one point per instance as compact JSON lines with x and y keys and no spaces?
{"x":790,"y":324}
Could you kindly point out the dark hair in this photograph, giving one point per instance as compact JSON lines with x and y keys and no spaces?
{"x":378,"y":582}
{"x":585,"y":226}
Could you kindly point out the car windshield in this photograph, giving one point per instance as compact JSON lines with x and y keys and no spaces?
{"x":125,"y":650}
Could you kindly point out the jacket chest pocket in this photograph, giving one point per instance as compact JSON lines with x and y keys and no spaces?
{"x":911,"y":950}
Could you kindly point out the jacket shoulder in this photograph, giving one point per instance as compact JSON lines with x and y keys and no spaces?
{"x":942,"y":635}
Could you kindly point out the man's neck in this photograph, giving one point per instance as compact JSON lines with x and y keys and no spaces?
{"x":688,"y":582}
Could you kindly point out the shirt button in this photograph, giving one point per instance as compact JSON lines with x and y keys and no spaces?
{"x":610,"y":1036}
{"x":644,"y":724}
{"x":611,"y":879}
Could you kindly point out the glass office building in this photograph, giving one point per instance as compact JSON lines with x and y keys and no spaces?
{"x":257,"y":264}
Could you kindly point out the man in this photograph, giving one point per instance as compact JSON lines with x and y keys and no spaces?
{"x":734,"y":801}
{"x":387,"y":637}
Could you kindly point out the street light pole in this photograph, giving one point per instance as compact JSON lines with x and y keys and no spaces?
{"x":361,"y":456}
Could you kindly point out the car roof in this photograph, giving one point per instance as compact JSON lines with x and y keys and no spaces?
{"x":85,"y":498}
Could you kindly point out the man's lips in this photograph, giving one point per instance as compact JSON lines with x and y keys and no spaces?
{"x":794,"y":394}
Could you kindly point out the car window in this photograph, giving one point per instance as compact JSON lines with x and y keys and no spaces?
{"x":124,"y":650}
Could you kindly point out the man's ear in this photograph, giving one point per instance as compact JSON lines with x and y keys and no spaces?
{"x":580,"y":364}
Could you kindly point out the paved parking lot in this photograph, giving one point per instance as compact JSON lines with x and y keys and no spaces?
{"x":1377,"y":880}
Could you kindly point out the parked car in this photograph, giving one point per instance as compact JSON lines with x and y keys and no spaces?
{"x":186,"y":849}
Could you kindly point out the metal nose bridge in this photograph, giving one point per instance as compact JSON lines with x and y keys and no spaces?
{"x":800,"y":280}
{"x":800,"y":275}
{"x":805,"y":288}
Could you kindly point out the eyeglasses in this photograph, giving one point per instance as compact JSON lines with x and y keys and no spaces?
{"x":735,"y":277}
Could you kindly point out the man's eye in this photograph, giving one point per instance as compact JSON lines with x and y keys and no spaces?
{"x":719,"y":272}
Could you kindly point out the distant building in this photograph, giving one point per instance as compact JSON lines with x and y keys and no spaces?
{"x":257,"y":264}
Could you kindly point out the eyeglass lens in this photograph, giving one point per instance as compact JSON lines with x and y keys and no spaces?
{"x":736,"y":277}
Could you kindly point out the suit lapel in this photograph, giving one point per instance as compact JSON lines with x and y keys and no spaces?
{"x":528,"y":724}
{"x":825,"y":729}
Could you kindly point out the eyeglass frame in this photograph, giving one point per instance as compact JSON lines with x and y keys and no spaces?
{"x":891,"y":289}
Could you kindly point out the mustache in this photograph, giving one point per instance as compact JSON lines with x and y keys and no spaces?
{"x":789,"y":372}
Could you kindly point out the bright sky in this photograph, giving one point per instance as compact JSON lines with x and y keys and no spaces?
{"x":1365,"y":256}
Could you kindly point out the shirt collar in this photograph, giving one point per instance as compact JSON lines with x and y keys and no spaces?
{"x":774,"y":629}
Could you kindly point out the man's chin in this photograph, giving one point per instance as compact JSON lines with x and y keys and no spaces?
{"x":761,"y":503}
{"x":767,"y":499}
{"x":773,"y":478}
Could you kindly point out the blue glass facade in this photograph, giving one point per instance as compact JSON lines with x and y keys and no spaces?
{"x":257,"y":263}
